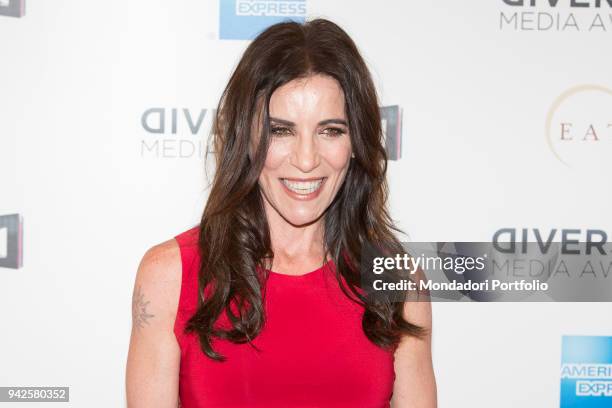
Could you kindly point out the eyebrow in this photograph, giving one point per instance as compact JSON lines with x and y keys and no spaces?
{"x":321,"y":123}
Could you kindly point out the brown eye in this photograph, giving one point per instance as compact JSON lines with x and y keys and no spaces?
{"x":280,"y":131}
{"x":334,"y":131}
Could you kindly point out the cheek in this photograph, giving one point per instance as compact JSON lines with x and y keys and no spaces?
{"x":338,"y":155}
{"x":278,"y":153}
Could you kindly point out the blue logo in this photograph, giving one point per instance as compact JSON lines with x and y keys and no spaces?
{"x":244,"y":19}
{"x":586,"y":372}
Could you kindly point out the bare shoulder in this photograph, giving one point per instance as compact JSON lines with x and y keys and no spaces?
{"x":153,"y":364}
{"x":161,"y":264}
{"x":161,"y":261}
{"x":417,"y":308}
{"x":157,"y":285}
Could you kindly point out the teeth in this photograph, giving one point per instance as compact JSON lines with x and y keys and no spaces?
{"x":303,"y":187}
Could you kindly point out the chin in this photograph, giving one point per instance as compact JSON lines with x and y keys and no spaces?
{"x":299,"y":220}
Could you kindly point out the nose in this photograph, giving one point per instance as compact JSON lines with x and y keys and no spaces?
{"x":305,"y":155}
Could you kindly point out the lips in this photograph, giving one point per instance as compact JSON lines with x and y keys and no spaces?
{"x":303,"y":189}
{"x":303,"y":186}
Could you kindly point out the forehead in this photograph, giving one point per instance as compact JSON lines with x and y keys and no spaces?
{"x":316,"y":94}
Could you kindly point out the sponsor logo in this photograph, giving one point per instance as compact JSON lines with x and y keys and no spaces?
{"x":579,"y":126}
{"x":11,"y":241}
{"x":244,"y":19}
{"x":577,"y":263}
{"x":12,"y":8}
{"x":175,"y":133}
{"x":586,"y":372}
{"x":556,"y":15}
{"x":513,"y":238}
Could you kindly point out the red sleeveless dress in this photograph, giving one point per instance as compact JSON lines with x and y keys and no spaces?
{"x":312,"y":349}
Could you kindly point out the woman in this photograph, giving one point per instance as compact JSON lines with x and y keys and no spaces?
{"x":260,"y":305}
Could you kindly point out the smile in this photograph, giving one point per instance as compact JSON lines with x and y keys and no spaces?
{"x":303,"y":189}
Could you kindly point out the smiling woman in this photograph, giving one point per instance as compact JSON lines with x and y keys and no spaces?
{"x":260,"y":304}
{"x":309,"y":151}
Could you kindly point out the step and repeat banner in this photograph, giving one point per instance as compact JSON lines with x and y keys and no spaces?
{"x":498,"y":125}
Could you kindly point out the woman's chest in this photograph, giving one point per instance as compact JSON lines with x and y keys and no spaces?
{"x":312,"y":352}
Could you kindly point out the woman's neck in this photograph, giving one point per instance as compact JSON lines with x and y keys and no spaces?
{"x":294,"y":246}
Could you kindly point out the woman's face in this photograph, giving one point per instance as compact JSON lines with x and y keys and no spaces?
{"x":309,"y":150}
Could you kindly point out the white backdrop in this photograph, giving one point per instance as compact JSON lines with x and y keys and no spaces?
{"x":76,"y":78}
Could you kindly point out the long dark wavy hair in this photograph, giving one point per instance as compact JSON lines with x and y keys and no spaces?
{"x":234,"y":238}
